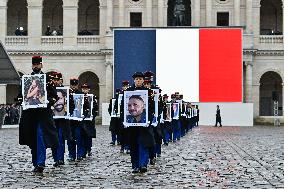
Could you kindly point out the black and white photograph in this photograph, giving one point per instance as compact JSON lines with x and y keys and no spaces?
{"x":136,"y":108}
{"x":169,"y":112}
{"x":61,"y":106}
{"x":34,"y":91}
{"x":88,"y":115}
{"x":113,"y":114}
{"x":120,"y":96}
{"x":176,"y":110}
{"x":77,"y":113}
{"x":156,"y":101}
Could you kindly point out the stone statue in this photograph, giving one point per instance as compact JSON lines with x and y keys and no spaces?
{"x":179,"y":13}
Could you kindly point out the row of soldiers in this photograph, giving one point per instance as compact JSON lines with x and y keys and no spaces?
{"x":39,"y":130}
{"x":144,"y":143}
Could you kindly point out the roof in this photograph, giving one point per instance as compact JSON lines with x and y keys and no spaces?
{"x":8,"y":72}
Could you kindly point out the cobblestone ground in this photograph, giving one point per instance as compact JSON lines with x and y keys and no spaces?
{"x":228,"y":157}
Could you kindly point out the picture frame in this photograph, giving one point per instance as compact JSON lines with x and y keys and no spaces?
{"x":89,"y":116}
{"x":136,"y":108}
{"x":156,"y":101}
{"x":34,"y":91}
{"x":77,"y":113}
{"x":113,"y":114}
{"x":176,"y":109}
{"x":120,"y":97}
{"x":61,"y":107}
{"x":168,"y":112}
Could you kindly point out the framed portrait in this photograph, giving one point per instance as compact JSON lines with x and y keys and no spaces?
{"x":180,"y":105}
{"x":34,"y":91}
{"x":120,"y":96}
{"x":136,"y":108}
{"x":176,"y":110}
{"x":156,"y":101}
{"x":90,"y":101}
{"x":184,"y":108}
{"x":113,"y":114}
{"x":61,"y":107}
{"x":77,"y":113}
{"x":169,"y":112}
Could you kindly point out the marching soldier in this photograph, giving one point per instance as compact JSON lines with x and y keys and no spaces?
{"x":75,"y":145}
{"x":166,"y":126}
{"x":88,"y":126}
{"x":62,"y":126}
{"x":141,"y":138}
{"x":36,"y":128}
{"x":114,"y":126}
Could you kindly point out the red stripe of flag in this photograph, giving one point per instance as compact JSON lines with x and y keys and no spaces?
{"x":220,"y":65}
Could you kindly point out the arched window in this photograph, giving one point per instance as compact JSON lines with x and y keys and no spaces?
{"x":52,"y":17}
{"x":270,"y":91}
{"x":271,"y":19}
{"x":17,"y":18}
{"x":88,"y":17}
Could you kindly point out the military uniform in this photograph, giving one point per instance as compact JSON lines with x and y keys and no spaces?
{"x":37,"y":128}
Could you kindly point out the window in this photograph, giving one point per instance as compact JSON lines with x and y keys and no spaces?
{"x":222,"y":19}
{"x":135,"y":19}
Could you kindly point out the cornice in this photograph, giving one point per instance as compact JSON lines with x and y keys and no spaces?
{"x":101,"y":52}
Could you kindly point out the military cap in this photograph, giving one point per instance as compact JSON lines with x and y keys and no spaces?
{"x":165,"y":96}
{"x":117,"y":90}
{"x":137,"y":74}
{"x":36,"y":60}
{"x":173,"y":96}
{"x":57,"y":75}
{"x":147,"y":81}
{"x":148,"y":74}
{"x":85,"y":85}
{"x":125,"y":82}
{"x":74,"y":81}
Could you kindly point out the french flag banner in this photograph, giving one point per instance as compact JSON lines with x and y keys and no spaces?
{"x":203,"y":64}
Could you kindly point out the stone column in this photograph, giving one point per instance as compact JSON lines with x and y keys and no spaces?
{"x":196,"y":15}
{"x":249,"y":16}
{"x":70,"y":23}
{"x":255,"y":94}
{"x":160,"y":13}
{"x":248,"y":90}
{"x":109,"y":74}
{"x":149,"y":7}
{"x":3,"y":20}
{"x":208,"y":12}
{"x":109,"y":18}
{"x":256,"y":20}
{"x":283,"y":19}
{"x":121,"y":17}
{"x":237,"y":12}
{"x":3,"y":88}
{"x":102,"y":97}
{"x":35,"y":22}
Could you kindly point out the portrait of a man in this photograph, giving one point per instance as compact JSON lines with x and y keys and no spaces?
{"x":136,"y":108}
{"x":169,"y":112}
{"x":61,"y":107}
{"x":77,"y":113}
{"x":176,"y":110}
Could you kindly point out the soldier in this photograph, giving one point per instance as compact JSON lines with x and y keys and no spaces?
{"x":75,"y":145}
{"x":114,"y":126}
{"x":218,"y":117}
{"x":141,"y":138}
{"x":62,"y":126}
{"x":88,"y":126}
{"x":166,"y":126}
{"x":36,"y":128}
{"x":124,"y":135}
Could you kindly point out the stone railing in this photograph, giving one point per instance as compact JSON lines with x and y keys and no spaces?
{"x":16,"y":40}
{"x":52,"y":40}
{"x":88,"y":40}
{"x":274,"y":39}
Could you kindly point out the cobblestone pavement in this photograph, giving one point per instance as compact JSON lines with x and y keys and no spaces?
{"x":228,"y":157}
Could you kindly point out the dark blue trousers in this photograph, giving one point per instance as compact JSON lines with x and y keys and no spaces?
{"x":139,"y":155}
{"x":58,"y":153}
{"x":39,"y":152}
{"x":176,"y":130}
{"x":158,"y":149}
{"x":79,"y":143}
{"x":88,"y":142}
{"x":115,"y":137}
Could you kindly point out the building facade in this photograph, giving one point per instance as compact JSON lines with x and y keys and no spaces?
{"x":75,"y":38}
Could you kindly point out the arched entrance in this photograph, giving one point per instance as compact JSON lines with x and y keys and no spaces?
{"x":17,"y":18}
{"x":92,"y":80}
{"x":52,"y":16}
{"x":88,"y":17}
{"x":271,"y":19}
{"x":270,"y":91}
{"x":171,"y":5}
